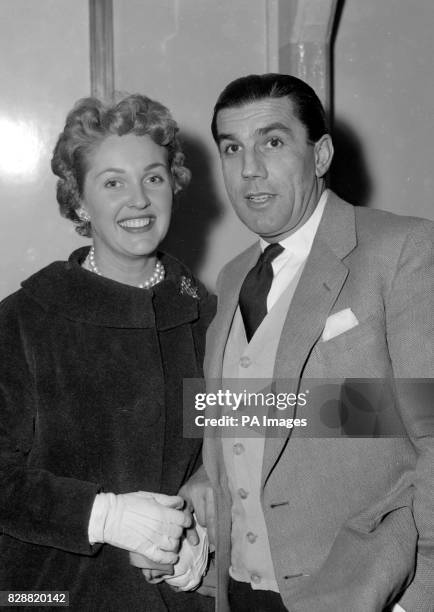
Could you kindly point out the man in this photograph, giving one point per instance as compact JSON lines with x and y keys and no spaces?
{"x":317,"y":524}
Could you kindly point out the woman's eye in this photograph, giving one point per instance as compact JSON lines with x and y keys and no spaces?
{"x":154,"y":179}
{"x":112,"y":183}
{"x":274,"y":143}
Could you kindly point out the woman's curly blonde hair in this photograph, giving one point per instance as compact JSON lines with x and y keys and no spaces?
{"x":88,"y":124}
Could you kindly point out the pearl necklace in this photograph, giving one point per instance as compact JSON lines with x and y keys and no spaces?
{"x":157,"y":276}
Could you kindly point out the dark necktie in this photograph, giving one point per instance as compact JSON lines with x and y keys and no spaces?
{"x":255,"y":288}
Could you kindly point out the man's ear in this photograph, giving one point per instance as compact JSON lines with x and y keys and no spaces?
{"x":323,"y":155}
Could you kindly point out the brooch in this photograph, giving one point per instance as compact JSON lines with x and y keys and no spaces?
{"x":188,"y":288}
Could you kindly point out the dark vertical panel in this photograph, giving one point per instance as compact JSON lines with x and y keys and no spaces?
{"x":101,"y":48}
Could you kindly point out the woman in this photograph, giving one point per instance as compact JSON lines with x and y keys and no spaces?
{"x":94,"y":353}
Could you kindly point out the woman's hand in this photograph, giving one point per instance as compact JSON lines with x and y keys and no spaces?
{"x":148,"y":523}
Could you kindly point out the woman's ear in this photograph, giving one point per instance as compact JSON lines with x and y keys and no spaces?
{"x":323,"y":155}
{"x":82,"y":214}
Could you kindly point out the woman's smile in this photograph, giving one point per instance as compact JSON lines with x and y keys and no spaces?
{"x":137,"y":224}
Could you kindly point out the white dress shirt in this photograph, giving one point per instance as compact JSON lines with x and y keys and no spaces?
{"x":296,"y":250}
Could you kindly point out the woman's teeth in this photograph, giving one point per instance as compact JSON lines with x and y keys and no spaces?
{"x":142,"y":222}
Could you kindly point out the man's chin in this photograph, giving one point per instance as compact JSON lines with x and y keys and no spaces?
{"x":259,"y":225}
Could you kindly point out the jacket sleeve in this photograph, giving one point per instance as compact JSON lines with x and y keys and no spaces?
{"x":36,"y":505}
{"x":410,"y":337}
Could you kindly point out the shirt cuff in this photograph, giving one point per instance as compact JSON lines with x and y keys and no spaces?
{"x":98,"y":517}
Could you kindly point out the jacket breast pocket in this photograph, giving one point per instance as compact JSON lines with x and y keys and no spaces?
{"x":360,"y":352}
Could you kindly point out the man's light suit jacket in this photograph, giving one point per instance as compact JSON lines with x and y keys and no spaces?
{"x":350,"y":521}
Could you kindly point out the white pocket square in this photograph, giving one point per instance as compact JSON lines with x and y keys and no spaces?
{"x":339,"y":323}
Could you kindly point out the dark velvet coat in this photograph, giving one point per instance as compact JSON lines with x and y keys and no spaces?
{"x":91,"y":377}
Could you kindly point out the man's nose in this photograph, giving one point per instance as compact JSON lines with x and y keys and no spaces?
{"x":253,"y":165}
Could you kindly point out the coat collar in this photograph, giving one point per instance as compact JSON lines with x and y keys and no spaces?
{"x":77,"y":294}
{"x":320,"y":284}
{"x":318,"y":288}
{"x":337,"y":228}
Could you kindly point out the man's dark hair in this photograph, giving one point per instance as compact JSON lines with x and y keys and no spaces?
{"x":307,"y":106}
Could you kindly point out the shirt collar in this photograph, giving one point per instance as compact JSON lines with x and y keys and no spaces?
{"x":300,"y":242}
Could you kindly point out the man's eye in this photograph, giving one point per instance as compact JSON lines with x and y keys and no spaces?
{"x":274,"y":143}
{"x":231,"y":149}
{"x":112,"y":183}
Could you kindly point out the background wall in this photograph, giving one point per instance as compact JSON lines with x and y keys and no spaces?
{"x":384,"y":105}
{"x":44,"y":67}
{"x":183,"y":52}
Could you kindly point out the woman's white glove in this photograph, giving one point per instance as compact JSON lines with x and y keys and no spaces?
{"x":148,"y":523}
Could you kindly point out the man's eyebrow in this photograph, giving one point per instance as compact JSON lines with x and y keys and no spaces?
{"x":263,"y":131}
{"x":221,"y":137}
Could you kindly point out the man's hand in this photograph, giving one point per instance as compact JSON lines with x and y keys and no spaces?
{"x":187,"y":573}
{"x":208,"y":585}
{"x":152,"y":571}
{"x":199,"y":498}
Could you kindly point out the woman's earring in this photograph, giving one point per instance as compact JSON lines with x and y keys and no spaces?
{"x":83,"y":215}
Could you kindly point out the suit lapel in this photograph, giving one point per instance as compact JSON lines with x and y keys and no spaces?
{"x":228,"y":292}
{"x":319,"y":286}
